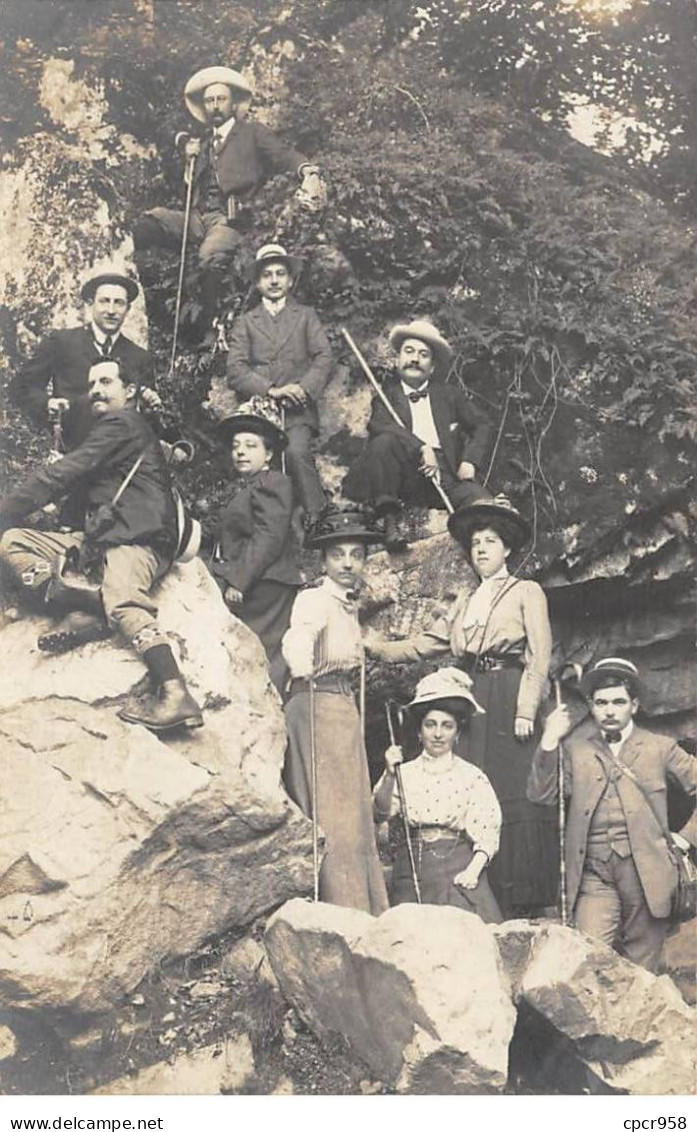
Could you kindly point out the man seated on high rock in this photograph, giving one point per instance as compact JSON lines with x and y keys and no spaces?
{"x":232,"y":161}
{"x":128,"y":542}
{"x":444,"y":439}
{"x":64,"y":358}
{"x":279,"y":349}
{"x":620,"y":872}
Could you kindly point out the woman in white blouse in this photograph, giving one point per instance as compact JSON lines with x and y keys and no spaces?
{"x":501,"y":636}
{"x":323,"y":647}
{"x":453,"y":813}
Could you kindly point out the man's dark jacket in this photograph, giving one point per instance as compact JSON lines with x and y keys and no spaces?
{"x":250,"y":154}
{"x":269,"y":350}
{"x":464,"y":433}
{"x":66,"y":356}
{"x":255,"y":542}
{"x":145,"y":514}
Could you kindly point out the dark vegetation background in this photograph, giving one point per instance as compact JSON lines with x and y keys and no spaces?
{"x":565,"y":279}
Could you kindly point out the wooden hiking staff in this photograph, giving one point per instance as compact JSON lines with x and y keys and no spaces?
{"x":563,"y":892}
{"x":313,"y":787}
{"x":189,"y":178}
{"x":391,"y":409}
{"x":403,"y":807}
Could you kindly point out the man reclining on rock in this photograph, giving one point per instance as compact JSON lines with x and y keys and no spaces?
{"x":129,"y":541}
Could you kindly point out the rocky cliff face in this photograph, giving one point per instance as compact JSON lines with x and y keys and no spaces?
{"x":566,"y":291}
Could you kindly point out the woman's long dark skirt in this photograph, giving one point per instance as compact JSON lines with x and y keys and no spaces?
{"x":266,"y":610}
{"x":524,"y":874}
{"x":437,"y":863}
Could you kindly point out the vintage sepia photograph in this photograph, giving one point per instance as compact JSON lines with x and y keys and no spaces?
{"x":348,"y":389}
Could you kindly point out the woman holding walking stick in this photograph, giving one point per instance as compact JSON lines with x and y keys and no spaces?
{"x":450,"y":813}
{"x":326,"y":771}
{"x":500,"y":635}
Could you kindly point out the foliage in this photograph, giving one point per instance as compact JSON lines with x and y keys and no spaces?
{"x":569,"y":295}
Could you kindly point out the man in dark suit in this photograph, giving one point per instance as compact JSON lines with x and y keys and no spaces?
{"x":619,"y":869}
{"x":445,"y":438}
{"x":231,"y":162}
{"x":130,"y":543}
{"x":65,"y":358}
{"x":280,"y":350}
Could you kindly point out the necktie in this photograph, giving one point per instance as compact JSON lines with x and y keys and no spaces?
{"x":217,"y":142}
{"x":418,"y":396}
{"x":612,"y":736}
{"x":106,"y":346}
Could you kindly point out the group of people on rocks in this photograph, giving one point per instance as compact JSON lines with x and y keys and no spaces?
{"x":473,"y":816}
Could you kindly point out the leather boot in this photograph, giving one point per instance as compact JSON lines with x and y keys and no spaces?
{"x":395,"y":542}
{"x":171,"y":706}
{"x":70,"y":591}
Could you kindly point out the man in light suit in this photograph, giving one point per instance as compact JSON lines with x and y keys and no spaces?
{"x":66,"y":356}
{"x":445,"y":438}
{"x":619,"y":870}
{"x":233,"y":159}
{"x":279,"y":349}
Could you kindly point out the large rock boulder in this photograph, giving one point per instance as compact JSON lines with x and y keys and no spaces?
{"x":632,"y":1029}
{"x":117,"y":849}
{"x":417,"y":993}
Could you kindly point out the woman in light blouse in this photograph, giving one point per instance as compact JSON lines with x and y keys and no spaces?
{"x":324,"y":645}
{"x":501,"y":636}
{"x":454,"y":816}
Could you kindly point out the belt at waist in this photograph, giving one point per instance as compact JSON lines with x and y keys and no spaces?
{"x":488,"y":661}
{"x":336,"y":683}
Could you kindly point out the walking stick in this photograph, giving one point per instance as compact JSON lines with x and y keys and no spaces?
{"x":403,"y":808}
{"x":562,"y":819}
{"x":283,"y":426}
{"x":391,"y":410}
{"x":313,"y":772}
{"x":189,"y":178}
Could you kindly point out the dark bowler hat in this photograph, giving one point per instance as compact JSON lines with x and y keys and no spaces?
{"x":341,"y":522}
{"x":614,"y":666}
{"x":499,"y":513}
{"x":89,"y":288}
{"x":275,"y":253}
{"x":258,"y":415}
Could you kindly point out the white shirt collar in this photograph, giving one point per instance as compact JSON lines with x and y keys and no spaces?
{"x":499,"y":576}
{"x":100,"y":335}
{"x":624,"y":734}
{"x":433,"y":765}
{"x":274,"y":306}
{"x":337,"y":591}
{"x":410,"y":388}
{"x":223,"y":131}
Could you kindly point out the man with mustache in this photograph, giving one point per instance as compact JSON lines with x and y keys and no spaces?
{"x":445,"y":438}
{"x":232,"y":161}
{"x":65,"y":358}
{"x":128,"y":542}
{"x":279,"y":349}
{"x":619,"y":868}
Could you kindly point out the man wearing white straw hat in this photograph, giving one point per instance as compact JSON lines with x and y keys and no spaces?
{"x":232,"y":160}
{"x":620,"y":868}
{"x":443,"y":438}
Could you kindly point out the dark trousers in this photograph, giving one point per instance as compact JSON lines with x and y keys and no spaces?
{"x":300,"y":466}
{"x":388,"y":471}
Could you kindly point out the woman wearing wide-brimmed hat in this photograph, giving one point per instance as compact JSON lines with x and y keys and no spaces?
{"x":255,"y":557}
{"x":324,"y":650}
{"x":453,"y":813}
{"x":501,"y":636}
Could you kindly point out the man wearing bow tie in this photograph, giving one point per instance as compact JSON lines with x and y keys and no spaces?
{"x":620,"y":873}
{"x":445,"y":437}
{"x":231,"y":162}
{"x":66,"y":356}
